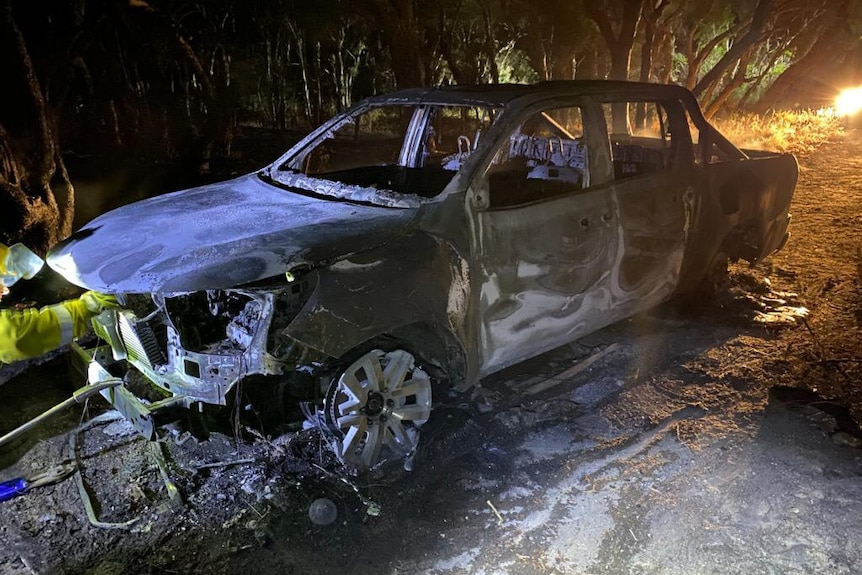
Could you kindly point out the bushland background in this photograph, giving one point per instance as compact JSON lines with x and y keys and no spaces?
{"x":107,"y":101}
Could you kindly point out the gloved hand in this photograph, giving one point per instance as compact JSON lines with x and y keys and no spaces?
{"x":96,"y":302}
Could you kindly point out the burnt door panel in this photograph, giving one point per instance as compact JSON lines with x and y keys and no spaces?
{"x":653,"y":198}
{"x":544,"y":271}
{"x":754,"y":196}
{"x":741,"y":212}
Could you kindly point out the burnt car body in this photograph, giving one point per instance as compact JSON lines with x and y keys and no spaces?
{"x":423,"y":237}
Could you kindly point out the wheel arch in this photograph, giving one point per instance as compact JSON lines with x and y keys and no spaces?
{"x":416,"y":290}
{"x":437,"y":347}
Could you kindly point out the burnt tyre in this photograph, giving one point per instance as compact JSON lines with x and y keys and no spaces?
{"x":377,"y":405}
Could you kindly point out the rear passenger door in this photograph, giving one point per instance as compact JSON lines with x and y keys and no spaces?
{"x":651,"y":184}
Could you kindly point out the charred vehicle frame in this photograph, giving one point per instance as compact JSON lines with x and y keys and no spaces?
{"x":420,"y":240}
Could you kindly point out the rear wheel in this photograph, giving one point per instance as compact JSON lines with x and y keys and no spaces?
{"x":717,"y":278}
{"x":710,"y":290}
{"x":378,"y":404}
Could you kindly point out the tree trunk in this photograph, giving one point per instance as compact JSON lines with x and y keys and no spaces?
{"x":740,"y":47}
{"x":299,"y":40}
{"x":619,"y":43}
{"x":405,"y":41}
{"x":30,"y":160}
{"x":735,"y":82}
{"x":651,"y":15}
{"x":620,"y":48}
{"x":490,"y":44}
{"x":586,"y":64}
{"x":463,"y":68}
{"x":695,"y":58}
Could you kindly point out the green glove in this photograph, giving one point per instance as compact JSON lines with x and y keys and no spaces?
{"x":96,"y":302}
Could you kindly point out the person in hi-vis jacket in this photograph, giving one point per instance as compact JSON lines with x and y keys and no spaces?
{"x":28,"y":333}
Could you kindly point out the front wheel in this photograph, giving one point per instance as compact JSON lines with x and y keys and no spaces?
{"x":378,"y":404}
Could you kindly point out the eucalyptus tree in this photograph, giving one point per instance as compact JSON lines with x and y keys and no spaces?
{"x":731,"y":51}
{"x":37,"y":198}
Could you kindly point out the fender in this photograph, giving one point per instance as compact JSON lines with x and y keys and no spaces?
{"x":418,"y":278}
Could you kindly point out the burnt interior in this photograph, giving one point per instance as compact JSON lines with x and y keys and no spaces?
{"x":510,"y":185}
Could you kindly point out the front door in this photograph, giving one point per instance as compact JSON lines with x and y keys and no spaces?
{"x":545,"y":242}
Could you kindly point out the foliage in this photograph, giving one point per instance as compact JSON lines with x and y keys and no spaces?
{"x":178,"y":75}
{"x":796,"y":131}
{"x":514,"y":66}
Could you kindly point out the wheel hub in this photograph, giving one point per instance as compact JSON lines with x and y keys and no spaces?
{"x":375,"y":404}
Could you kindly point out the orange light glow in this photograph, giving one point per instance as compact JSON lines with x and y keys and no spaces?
{"x":848,"y":102}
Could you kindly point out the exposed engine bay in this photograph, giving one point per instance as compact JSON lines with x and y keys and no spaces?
{"x":195,"y":347}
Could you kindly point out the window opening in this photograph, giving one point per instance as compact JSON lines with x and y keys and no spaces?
{"x":644,"y":148}
{"x":545,"y":156}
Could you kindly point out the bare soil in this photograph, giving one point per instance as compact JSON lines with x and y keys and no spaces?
{"x":717,"y":438}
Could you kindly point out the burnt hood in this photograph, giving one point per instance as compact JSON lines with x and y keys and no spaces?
{"x":218,"y":236}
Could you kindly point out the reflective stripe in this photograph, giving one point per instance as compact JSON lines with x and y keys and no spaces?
{"x":67,"y":331}
{"x":4,"y":255}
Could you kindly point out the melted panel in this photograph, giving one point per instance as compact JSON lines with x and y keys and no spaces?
{"x":654,"y":223}
{"x":546,"y":269}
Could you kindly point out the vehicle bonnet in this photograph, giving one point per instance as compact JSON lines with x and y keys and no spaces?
{"x":218,"y":236}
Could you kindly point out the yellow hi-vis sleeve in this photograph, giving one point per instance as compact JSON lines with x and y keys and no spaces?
{"x":30,"y":333}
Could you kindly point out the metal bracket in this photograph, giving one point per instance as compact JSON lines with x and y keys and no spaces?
{"x":136,"y":412}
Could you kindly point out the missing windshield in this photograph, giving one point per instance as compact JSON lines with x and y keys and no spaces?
{"x":407,"y":151}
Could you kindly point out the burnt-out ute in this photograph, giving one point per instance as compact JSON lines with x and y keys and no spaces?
{"x":422,"y":239}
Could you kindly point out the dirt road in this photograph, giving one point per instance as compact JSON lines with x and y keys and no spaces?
{"x":716,"y":440}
